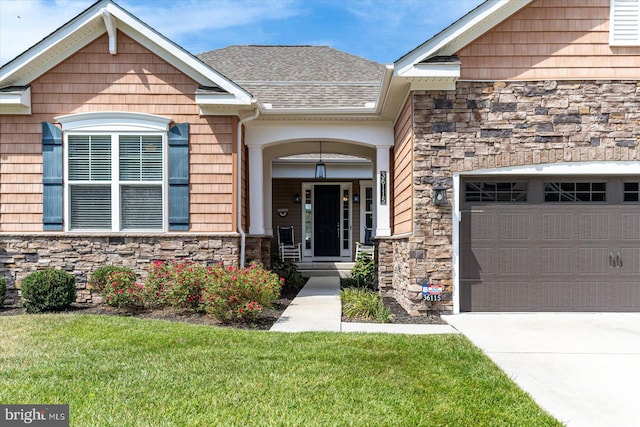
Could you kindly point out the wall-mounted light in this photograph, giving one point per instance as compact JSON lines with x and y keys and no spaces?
{"x":439,"y":195}
{"x":297,"y":198}
{"x":356,"y":198}
{"x":321,"y":170}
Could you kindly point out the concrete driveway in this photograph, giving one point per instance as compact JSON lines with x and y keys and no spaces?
{"x":584,"y":369}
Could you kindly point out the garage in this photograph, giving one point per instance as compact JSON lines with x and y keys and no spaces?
{"x":550,"y":243}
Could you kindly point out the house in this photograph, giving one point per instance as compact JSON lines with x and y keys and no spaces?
{"x":498,"y":161}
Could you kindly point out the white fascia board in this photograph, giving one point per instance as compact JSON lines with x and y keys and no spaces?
{"x":175,"y":55}
{"x":47,"y":47}
{"x":16,"y":102}
{"x":461,"y":32}
{"x":434,"y":70}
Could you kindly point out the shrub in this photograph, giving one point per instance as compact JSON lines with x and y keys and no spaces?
{"x":3,"y":290}
{"x":232,"y":293}
{"x":362,"y":303}
{"x":48,"y":289}
{"x":178,"y":283}
{"x":98,"y":278}
{"x":287,"y":270}
{"x":364,"y":271}
{"x":122,"y":290}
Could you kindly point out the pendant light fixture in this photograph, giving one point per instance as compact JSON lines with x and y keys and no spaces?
{"x":321,"y":170}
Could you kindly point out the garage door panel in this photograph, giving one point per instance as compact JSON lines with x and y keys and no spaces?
{"x":555,"y":296}
{"x":630,"y":226}
{"x":557,"y":226}
{"x":594,"y":226}
{"x":557,"y":260}
{"x":511,"y":296}
{"x":513,"y":260}
{"x":630,"y":260}
{"x":594,"y":260}
{"x":593,"y":296}
{"x":629,"y":295}
{"x":482,"y":226}
{"x":515,"y":226}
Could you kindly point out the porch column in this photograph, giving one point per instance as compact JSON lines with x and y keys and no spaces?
{"x":383,"y":183}
{"x":268,"y":197}
{"x":256,"y":191}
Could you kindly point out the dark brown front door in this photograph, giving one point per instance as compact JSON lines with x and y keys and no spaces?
{"x":549,"y":254}
{"x":326,"y":223}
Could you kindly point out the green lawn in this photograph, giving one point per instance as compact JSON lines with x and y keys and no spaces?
{"x":121,"y":371}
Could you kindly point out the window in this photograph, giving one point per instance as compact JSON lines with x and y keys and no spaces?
{"x":624,"y":28}
{"x":496,"y":192}
{"x":631,"y":192}
{"x":115,"y":181}
{"x":575,"y":192}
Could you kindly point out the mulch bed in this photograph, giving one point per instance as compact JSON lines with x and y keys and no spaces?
{"x":264,"y":322}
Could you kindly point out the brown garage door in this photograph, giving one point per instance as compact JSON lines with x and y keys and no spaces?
{"x":550,"y":244}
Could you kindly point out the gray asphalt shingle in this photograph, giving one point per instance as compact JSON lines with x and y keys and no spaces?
{"x":300,"y":76}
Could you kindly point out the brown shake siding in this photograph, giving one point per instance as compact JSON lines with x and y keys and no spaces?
{"x":551,"y":39}
{"x":403,"y":171}
{"x":134,"y":80}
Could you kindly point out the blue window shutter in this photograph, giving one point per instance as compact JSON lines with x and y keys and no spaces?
{"x":51,"y":177}
{"x":179,"y":177}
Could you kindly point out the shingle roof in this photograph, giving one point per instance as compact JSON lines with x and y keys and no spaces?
{"x":300,"y":76}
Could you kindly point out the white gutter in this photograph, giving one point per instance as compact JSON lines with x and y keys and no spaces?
{"x":243,"y":236}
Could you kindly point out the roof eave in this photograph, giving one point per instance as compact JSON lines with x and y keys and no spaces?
{"x":460,"y":33}
{"x":16,"y":101}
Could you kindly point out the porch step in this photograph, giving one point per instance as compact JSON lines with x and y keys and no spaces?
{"x":320,"y":269}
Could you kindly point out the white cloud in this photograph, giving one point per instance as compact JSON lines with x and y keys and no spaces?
{"x":23,"y":23}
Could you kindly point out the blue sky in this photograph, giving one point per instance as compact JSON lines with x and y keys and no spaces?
{"x":380,"y":30}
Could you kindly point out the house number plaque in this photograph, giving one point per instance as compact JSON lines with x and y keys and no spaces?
{"x":432,"y":292}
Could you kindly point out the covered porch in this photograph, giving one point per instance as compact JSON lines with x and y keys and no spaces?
{"x":329,"y":215}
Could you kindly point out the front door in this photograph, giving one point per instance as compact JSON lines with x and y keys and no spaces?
{"x":326,"y":223}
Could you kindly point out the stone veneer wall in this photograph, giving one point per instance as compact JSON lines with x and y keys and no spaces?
{"x":82,"y":254}
{"x":485,"y":125}
{"x":258,"y":248}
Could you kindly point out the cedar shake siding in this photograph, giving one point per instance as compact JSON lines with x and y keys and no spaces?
{"x":550,"y":39}
{"x":403,"y":172}
{"x":134,"y":80}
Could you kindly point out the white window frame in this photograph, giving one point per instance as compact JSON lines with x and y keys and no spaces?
{"x":364,"y":184}
{"x":115,"y":124}
{"x":629,"y":10}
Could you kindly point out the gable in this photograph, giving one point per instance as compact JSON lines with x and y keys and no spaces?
{"x":105,"y":17}
{"x":549,"y":39}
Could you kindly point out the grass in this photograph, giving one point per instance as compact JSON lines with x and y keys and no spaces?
{"x":119,"y":371}
{"x":362,"y":303}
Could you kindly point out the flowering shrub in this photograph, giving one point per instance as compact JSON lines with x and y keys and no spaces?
{"x":178,"y":283}
{"x":98,"y":278}
{"x":122,"y":290}
{"x":231,"y":293}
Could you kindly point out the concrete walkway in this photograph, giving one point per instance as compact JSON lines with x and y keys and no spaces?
{"x":317,"y":308}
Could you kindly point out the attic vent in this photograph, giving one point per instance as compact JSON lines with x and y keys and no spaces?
{"x":624,"y":23}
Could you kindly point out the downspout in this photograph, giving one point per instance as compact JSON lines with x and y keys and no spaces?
{"x":243,"y":236}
